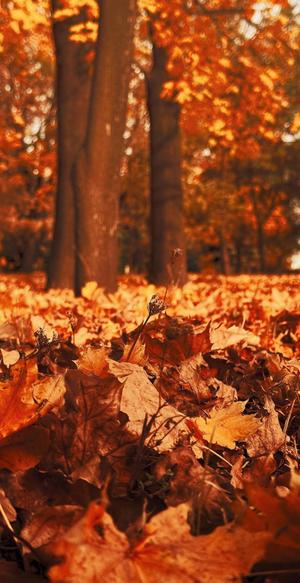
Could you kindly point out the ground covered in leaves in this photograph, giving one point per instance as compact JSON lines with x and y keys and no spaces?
{"x":150,"y":435}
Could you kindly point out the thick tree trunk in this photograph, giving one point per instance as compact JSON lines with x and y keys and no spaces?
{"x":73,"y":84}
{"x":97,"y":176}
{"x":166,"y":222}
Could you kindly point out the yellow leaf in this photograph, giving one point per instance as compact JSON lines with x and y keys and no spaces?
{"x":273,"y":74}
{"x":64,"y":13}
{"x":200,"y":79}
{"x":89,"y":289}
{"x":233,"y":89}
{"x":269,"y":117}
{"x":228,"y":425}
{"x":225,"y":62}
{"x":217,"y":126}
{"x":296,"y":123}
{"x":267,"y":81}
{"x":221,"y":76}
{"x":149,"y":5}
{"x":15,"y":27}
{"x":229,"y":135}
{"x":245,"y":61}
{"x":18,"y":119}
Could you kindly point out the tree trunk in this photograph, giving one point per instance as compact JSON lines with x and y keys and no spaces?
{"x":238,"y":243}
{"x":73,"y":82}
{"x":166,"y":222}
{"x":261,"y":246}
{"x":97,"y":174}
{"x":225,"y":257}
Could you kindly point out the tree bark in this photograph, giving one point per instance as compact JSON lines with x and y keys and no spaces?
{"x":97,"y":172}
{"x":166,"y":222}
{"x":73,"y":82}
{"x":261,"y":245}
{"x":225,"y":257}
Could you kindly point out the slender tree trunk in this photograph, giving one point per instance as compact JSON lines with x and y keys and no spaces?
{"x":97,"y":174}
{"x":28,"y":255}
{"x":166,"y":222}
{"x":225,"y":258}
{"x":261,"y":246}
{"x":238,"y":243}
{"x":260,"y":235}
{"x":73,"y":82}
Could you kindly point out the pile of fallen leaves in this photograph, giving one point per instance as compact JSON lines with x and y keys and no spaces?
{"x":150,"y":435}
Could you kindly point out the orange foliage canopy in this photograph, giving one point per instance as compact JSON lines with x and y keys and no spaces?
{"x":230,"y":64}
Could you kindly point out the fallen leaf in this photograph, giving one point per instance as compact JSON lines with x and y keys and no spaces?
{"x":227,"y":426}
{"x":188,"y":480}
{"x":24,"y":449}
{"x":94,"y":549}
{"x":93,"y":361}
{"x":269,"y":437}
{"x":10,"y":357}
{"x":48,"y":524}
{"x":277,"y":512}
{"x":222,"y":337}
{"x":140,"y":399}
{"x":25,"y":398}
{"x":8,"y":330}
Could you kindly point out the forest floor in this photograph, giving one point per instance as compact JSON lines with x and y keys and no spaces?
{"x":152,"y":434}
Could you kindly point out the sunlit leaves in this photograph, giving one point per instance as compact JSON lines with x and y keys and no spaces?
{"x":183,"y":438}
{"x":93,"y":548}
{"x":227,"y":425}
{"x":25,"y":398}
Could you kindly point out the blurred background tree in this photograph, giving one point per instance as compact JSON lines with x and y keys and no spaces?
{"x":229,"y":80}
{"x":27,"y":136}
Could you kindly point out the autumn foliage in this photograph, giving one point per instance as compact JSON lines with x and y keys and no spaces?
{"x":150,"y":434}
{"x":232,"y":70}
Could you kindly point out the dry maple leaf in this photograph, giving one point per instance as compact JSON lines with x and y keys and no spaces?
{"x":8,"y":330}
{"x":222,"y":337}
{"x":48,"y":524}
{"x":188,"y":480}
{"x":93,"y":361}
{"x":171,"y":340}
{"x":227,"y":426}
{"x":139,"y":399}
{"x":90,"y":421}
{"x":269,"y":436}
{"x":277,"y":510}
{"x":24,"y":449}
{"x":25,"y":398}
{"x":135,"y":353}
{"x":94,"y":550}
{"x":258,"y":470}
